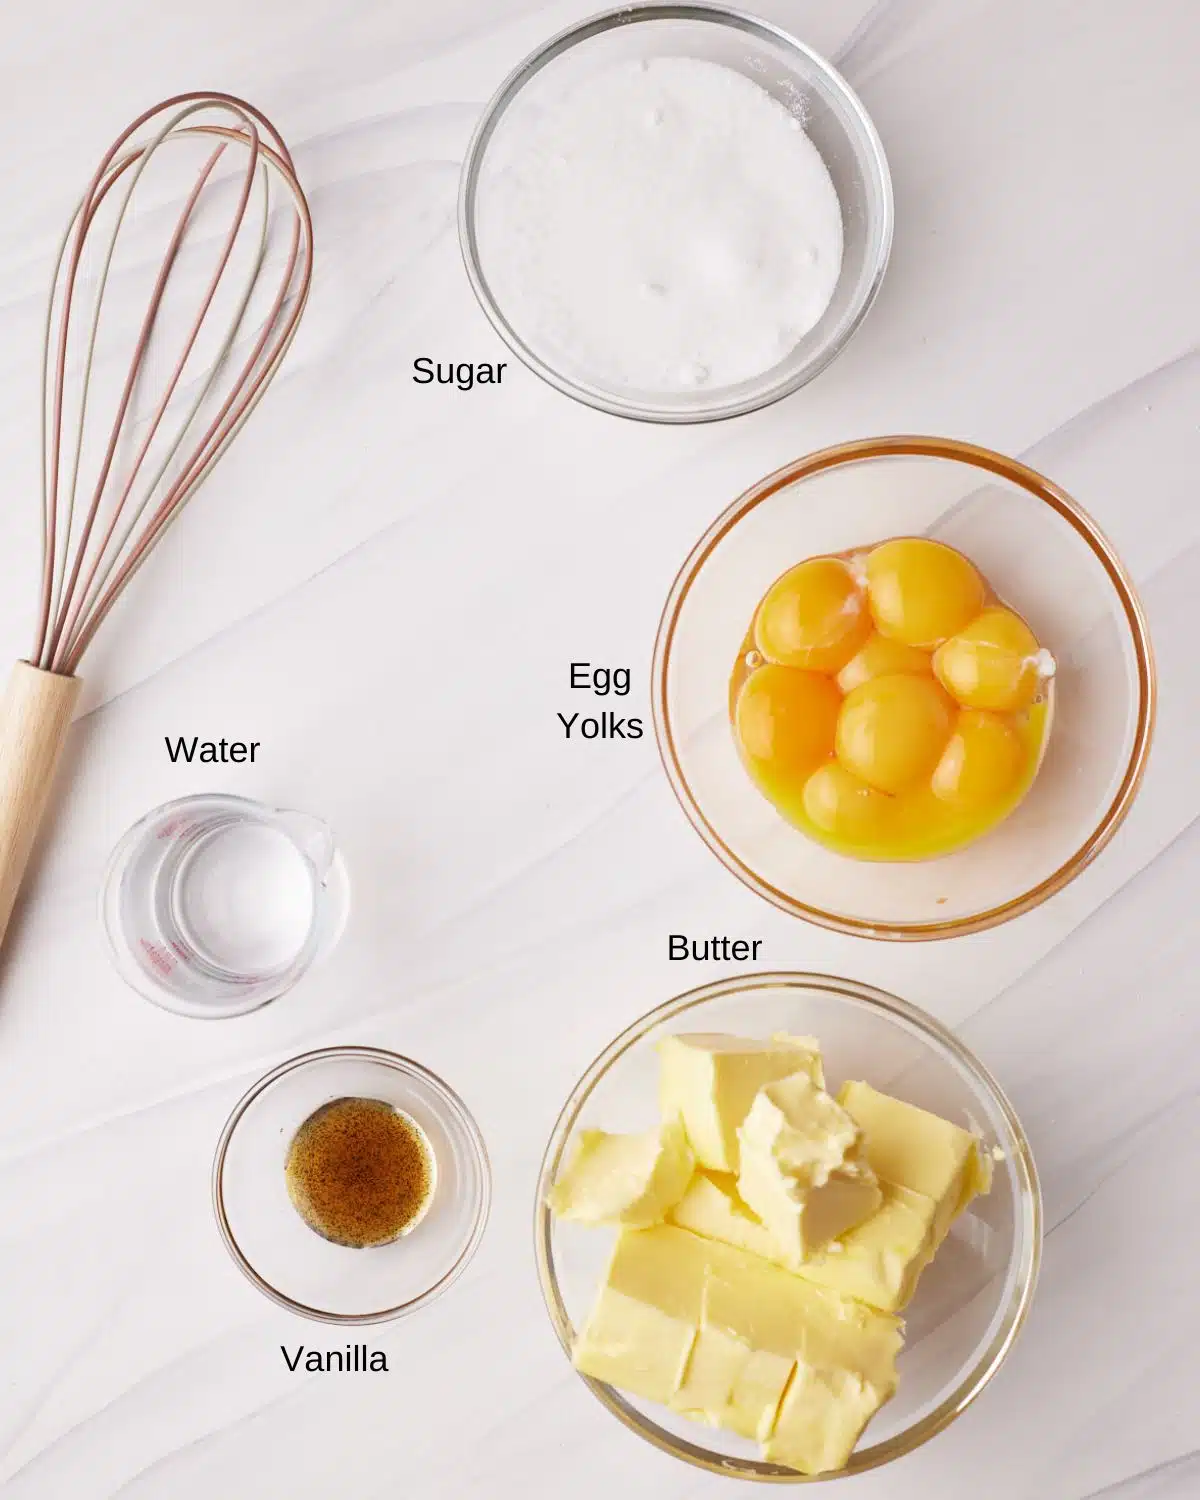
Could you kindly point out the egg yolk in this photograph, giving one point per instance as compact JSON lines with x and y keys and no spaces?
{"x":888,"y":704}
{"x":892,"y":730}
{"x":980,"y":765}
{"x":990,"y":663}
{"x":814,"y":617}
{"x":841,"y":804}
{"x":786,"y":719}
{"x":881,"y":657}
{"x":921,"y":591}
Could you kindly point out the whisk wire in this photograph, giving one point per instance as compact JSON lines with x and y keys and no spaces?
{"x":88,"y":563}
{"x":90,"y":207}
{"x":101,"y":575}
{"x":108,"y":173}
{"x":66,"y":625}
{"x":213,"y":447}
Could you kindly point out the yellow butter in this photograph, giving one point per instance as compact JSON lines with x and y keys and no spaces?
{"x":630,"y":1344}
{"x":709,"y":1082}
{"x":758,"y":1323}
{"x":913,"y":1149}
{"x":877,"y":1262}
{"x":641,"y":1329}
{"x":714,"y":1332}
{"x":792,"y":1325}
{"x":624,"y":1179}
{"x":729,"y":1384}
{"x":666,"y":1268}
{"x":821,"y":1418}
{"x":711,"y":1207}
{"x":880,"y":1260}
{"x":797,"y":1225}
{"x":770,"y":1308}
{"x":800,"y":1170}
{"x":713,"y":1371}
{"x":753,"y":1406}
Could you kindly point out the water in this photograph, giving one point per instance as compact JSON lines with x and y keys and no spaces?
{"x":242,"y":898}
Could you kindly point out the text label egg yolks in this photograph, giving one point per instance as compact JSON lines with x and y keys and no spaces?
{"x":839,"y":803}
{"x":981,"y":763}
{"x":814,"y":617}
{"x":892,"y":730}
{"x":921,"y":591}
{"x":881,"y":657}
{"x":786,"y":719}
{"x":990,"y":663}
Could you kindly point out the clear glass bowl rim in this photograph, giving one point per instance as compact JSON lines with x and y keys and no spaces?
{"x":1029,"y":1203}
{"x":409,"y":1069}
{"x":1033,"y":483}
{"x":582,"y":31}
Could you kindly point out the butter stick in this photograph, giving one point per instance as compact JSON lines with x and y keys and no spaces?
{"x":709,"y":1081}
{"x":624,"y":1179}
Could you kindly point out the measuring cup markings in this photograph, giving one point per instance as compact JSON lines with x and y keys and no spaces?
{"x":174,"y":827}
{"x":214,"y":905}
{"x":161,"y":962}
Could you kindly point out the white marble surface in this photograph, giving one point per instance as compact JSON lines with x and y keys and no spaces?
{"x":384,"y":586}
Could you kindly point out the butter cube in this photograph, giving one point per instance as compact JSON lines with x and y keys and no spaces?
{"x":804,"y":1128}
{"x":730,"y":1385}
{"x":773,"y":1310}
{"x":640,"y":1332}
{"x":800,"y":1171}
{"x":879,"y":1261}
{"x":624,"y":1179}
{"x":753,"y":1407}
{"x":633,"y":1345}
{"x":711,"y":1207}
{"x":821,"y":1419}
{"x":713,"y":1371}
{"x":717,"y":1333}
{"x":709,"y":1082}
{"x":793,"y":1326}
{"x":913,"y":1149}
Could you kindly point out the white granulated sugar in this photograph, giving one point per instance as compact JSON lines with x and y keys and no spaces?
{"x":665,"y":226}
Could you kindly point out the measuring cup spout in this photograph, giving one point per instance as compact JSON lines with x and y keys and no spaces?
{"x":313,"y":837}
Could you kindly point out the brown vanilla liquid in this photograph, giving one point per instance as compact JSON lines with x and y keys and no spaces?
{"x":359,"y":1172}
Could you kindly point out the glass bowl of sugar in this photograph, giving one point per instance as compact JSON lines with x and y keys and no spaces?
{"x":675,"y":213}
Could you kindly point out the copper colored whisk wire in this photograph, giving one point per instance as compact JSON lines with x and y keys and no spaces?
{"x":94,"y":542}
{"x":123,"y":453}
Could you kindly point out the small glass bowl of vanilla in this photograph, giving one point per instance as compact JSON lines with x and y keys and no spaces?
{"x":904,"y":688}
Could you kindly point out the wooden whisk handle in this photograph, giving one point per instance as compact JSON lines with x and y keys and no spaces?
{"x":33,"y":729}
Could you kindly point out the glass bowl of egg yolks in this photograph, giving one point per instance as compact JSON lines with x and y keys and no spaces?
{"x":972,"y":1300}
{"x":989,"y":792}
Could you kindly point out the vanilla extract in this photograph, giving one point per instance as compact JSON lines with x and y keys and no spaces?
{"x":360,"y":1172}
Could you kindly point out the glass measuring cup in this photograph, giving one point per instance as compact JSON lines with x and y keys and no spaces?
{"x":214,"y":905}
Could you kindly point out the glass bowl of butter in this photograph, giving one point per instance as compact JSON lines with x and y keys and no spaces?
{"x":1039,"y":554}
{"x":878,"y":1281}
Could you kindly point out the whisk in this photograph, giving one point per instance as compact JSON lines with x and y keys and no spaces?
{"x":120,"y":463}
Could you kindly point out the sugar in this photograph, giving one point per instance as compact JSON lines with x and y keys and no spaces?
{"x":664,"y":226}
